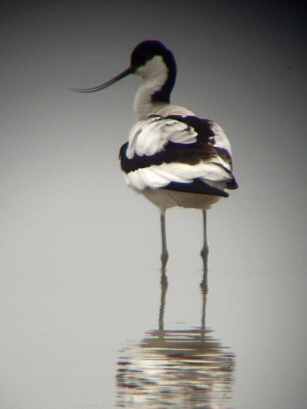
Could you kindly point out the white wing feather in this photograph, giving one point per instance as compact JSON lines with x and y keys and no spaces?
{"x":149,"y":136}
{"x":158,"y":176}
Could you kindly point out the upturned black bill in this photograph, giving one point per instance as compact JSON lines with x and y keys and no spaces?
{"x":118,"y":77}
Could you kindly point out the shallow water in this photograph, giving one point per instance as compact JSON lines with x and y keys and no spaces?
{"x":175,"y":368}
{"x":123,"y":340}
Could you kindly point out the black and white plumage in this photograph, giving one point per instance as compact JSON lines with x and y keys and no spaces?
{"x":172,"y":157}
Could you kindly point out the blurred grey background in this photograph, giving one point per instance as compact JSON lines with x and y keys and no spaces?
{"x":80,"y":251}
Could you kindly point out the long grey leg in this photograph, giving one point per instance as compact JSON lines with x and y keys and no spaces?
{"x":204,"y":252}
{"x":164,"y":254}
{"x":164,"y":258}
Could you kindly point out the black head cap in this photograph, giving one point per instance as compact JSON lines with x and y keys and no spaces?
{"x":149,"y":49}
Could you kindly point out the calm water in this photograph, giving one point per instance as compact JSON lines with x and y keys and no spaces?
{"x":176,"y":368}
{"x":118,"y":338}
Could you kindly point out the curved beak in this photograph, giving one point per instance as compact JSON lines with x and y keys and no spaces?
{"x":118,"y":77}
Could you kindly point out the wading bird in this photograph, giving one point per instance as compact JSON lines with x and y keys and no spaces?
{"x":172,"y":157}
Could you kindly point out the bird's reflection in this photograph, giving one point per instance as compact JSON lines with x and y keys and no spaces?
{"x":176,"y":368}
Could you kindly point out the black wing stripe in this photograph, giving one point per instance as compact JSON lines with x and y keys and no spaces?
{"x":232,"y":184}
{"x":203,"y":127}
{"x":173,"y":152}
{"x":197,"y":186}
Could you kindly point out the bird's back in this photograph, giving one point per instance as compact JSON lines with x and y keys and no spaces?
{"x":176,"y":151}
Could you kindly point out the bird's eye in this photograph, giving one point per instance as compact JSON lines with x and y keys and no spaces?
{"x":146,"y":57}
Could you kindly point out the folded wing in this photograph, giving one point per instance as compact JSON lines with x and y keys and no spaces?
{"x":183,"y":153}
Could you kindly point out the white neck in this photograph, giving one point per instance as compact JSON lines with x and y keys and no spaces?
{"x":143,"y":104}
{"x":154,"y":75}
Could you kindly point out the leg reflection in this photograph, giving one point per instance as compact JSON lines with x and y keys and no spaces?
{"x":164,"y":285}
{"x":203,"y":316}
{"x":179,"y":368}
